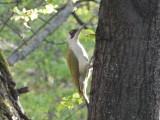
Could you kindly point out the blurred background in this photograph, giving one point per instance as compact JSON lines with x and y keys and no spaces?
{"x":42,"y":66}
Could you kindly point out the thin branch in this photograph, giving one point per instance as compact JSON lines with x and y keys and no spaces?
{"x":34,"y":34}
{"x":37,"y":31}
{"x":79,"y":20}
{"x":53,"y":43}
{"x":11,"y":2}
{"x":6,"y":22}
{"x":32,"y":45}
{"x":17,"y":2}
{"x":15,"y":31}
{"x":79,"y":1}
{"x":23,"y":90}
{"x":43,"y":20}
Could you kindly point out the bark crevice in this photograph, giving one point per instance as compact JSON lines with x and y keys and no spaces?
{"x":9,"y":103}
{"x":124,"y":85}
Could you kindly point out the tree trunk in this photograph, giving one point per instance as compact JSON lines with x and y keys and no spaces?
{"x":126,"y":75}
{"x":10,"y":108}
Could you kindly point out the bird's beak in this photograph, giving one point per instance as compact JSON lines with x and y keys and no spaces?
{"x":79,"y":29}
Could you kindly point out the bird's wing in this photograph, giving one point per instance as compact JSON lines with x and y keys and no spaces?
{"x":73,"y":66}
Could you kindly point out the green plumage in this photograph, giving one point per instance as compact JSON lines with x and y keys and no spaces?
{"x":73,"y":66}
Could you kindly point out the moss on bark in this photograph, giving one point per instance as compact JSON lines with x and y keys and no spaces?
{"x":9,"y":104}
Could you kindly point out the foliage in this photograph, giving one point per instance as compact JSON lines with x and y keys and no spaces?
{"x":32,"y":14}
{"x":69,"y":101}
{"x":45,"y":70}
{"x":88,"y":34}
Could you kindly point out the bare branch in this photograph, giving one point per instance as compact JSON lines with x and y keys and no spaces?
{"x":43,"y":20}
{"x":13,"y":29}
{"x":25,"y":41}
{"x":18,"y":1}
{"x":6,"y":22}
{"x":79,"y":20}
{"x":32,"y":45}
{"x":79,"y":1}
{"x":53,"y":43}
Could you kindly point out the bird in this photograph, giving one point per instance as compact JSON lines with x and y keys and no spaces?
{"x":78,"y":63}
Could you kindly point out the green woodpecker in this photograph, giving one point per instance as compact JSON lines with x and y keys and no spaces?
{"x":78,"y":63}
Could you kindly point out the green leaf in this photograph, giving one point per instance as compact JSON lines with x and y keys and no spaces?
{"x":70,"y":106}
{"x":26,"y":18}
{"x":76,"y":95}
{"x":49,"y":9}
{"x":60,"y":107}
{"x":32,"y":14}
{"x":74,"y":9}
{"x":80,"y":101}
{"x":74,"y":1}
{"x":64,"y":98}
{"x":87,"y":34}
{"x":26,"y":25}
{"x":89,"y":31}
{"x":69,"y":101}
{"x":16,"y":10}
{"x":16,"y":18}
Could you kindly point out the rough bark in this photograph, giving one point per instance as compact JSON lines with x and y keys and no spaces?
{"x":10,"y":108}
{"x":126,"y":75}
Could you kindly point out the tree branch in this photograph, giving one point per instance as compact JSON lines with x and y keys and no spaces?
{"x":13,"y":29}
{"x":53,"y":43}
{"x":79,"y":20}
{"x":6,"y":22}
{"x":37,"y":31}
{"x":17,"y":2}
{"x":11,"y":2}
{"x":32,"y":45}
{"x":86,"y":1}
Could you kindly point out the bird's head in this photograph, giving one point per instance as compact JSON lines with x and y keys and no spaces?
{"x":73,"y":34}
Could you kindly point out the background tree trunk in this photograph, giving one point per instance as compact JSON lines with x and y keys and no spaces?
{"x":10,"y":108}
{"x":126,"y":75}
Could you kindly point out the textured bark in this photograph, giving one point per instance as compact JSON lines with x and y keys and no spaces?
{"x":10,"y":108}
{"x":126,"y":75}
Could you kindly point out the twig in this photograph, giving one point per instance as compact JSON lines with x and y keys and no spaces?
{"x":17,"y":2}
{"x":32,"y":45}
{"x":11,"y":2}
{"x":11,"y":28}
{"x":23,"y":90}
{"x":52,"y":42}
{"x":6,"y":22}
{"x":79,"y":20}
{"x":36,"y":32}
{"x":79,"y":1}
{"x":43,"y":20}
{"x":50,"y":115}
